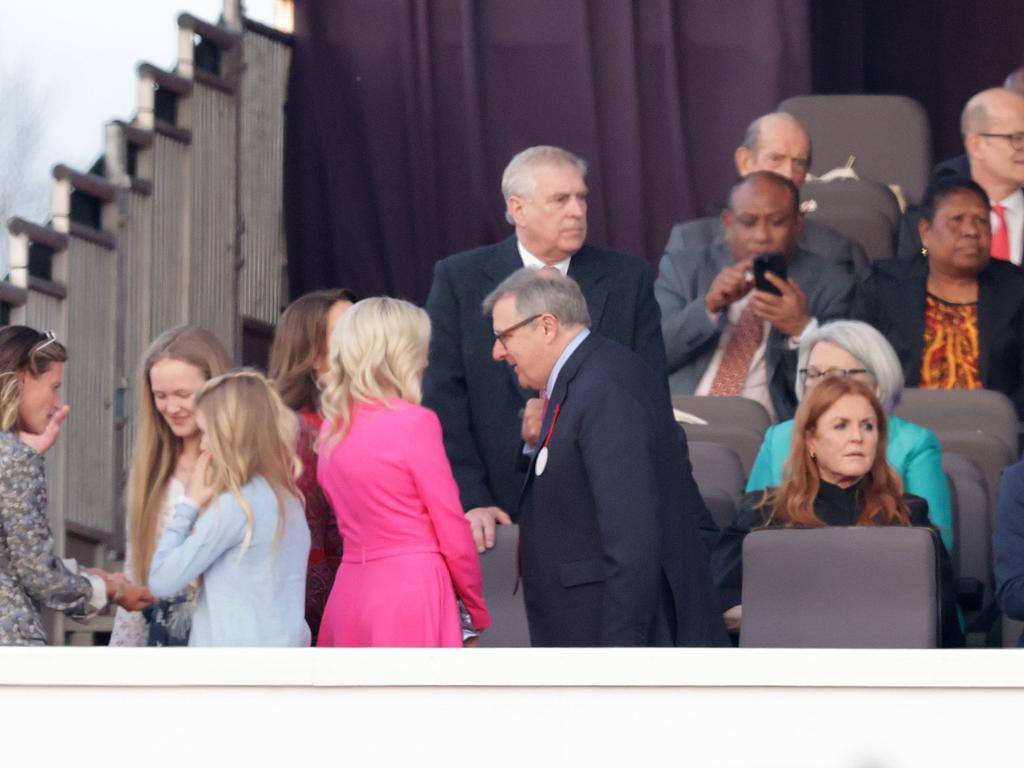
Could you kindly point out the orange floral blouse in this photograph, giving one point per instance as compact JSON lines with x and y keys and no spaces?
{"x":950,"y":358}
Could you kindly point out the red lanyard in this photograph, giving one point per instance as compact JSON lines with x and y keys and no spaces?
{"x":551,"y":429}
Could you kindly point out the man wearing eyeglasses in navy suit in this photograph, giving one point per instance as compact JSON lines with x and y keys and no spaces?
{"x":610,"y":548}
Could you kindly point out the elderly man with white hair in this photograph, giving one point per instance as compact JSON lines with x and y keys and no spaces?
{"x":856,"y":349}
{"x":487,"y":417}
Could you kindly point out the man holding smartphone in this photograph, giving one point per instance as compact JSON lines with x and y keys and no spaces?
{"x":724,"y":335}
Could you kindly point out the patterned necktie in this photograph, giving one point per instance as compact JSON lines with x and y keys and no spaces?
{"x":743,"y":343}
{"x":1001,"y":237}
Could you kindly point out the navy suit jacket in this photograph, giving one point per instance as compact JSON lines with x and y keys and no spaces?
{"x":610,"y":548}
{"x":477,"y":399}
{"x":892,"y":298}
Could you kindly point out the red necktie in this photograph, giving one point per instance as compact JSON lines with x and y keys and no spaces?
{"x":743,"y":343}
{"x":1001,"y":237}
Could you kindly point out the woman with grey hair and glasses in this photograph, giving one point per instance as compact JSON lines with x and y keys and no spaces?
{"x":855,"y":349}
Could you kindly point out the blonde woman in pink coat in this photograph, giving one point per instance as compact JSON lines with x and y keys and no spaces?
{"x":408,"y":551}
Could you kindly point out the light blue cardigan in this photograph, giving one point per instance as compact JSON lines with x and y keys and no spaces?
{"x":913,"y":451}
{"x":250,"y":598}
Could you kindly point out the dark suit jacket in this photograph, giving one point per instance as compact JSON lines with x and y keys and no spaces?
{"x":478,"y":399}
{"x":892,"y":298}
{"x":610,"y":554}
{"x":691,"y":338}
{"x":1008,"y":544}
{"x":834,"y":506}
{"x":815,"y":237}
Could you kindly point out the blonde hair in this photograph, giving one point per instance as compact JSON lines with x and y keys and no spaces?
{"x":249,"y":432}
{"x":157,"y":448}
{"x":378,"y":351}
{"x":24,"y":352}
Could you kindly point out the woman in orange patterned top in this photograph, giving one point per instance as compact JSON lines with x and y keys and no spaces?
{"x":955,"y":316}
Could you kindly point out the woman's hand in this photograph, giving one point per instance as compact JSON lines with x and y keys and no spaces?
{"x":44,"y":441}
{"x":129,"y":596}
{"x":199,"y":488}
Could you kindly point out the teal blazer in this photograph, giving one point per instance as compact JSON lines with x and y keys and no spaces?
{"x":914,"y":452}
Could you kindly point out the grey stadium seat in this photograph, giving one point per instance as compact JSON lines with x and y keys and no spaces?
{"x":945,"y":410}
{"x":863,"y":210}
{"x":734,"y":411}
{"x":717,"y":470}
{"x":888,"y":135}
{"x":840,"y":588}
{"x":508,"y":612}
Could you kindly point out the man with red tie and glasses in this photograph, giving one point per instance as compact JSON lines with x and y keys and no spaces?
{"x":610,"y":548}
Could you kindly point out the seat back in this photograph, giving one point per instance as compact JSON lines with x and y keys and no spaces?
{"x":888,"y":135}
{"x":508,"y":611}
{"x":840,"y":588}
{"x":717,"y":470}
{"x":972,"y":520}
{"x":744,"y":442}
{"x":726,"y":411}
{"x":987,"y":453}
{"x":863,"y":210}
{"x":959,"y":410}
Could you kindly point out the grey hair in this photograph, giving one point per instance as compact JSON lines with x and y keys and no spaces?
{"x":866,"y":344}
{"x":538,"y":293}
{"x":519,"y":179}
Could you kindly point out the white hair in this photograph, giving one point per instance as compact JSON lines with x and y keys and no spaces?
{"x":866,"y":344}
{"x":519,"y":178}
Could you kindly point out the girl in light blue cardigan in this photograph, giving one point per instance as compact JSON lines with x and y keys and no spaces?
{"x":853,"y":348}
{"x":240,"y":527}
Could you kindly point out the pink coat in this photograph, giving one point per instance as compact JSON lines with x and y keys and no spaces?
{"x":408,"y":546}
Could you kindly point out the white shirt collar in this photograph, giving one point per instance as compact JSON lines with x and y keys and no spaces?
{"x":562,"y":358}
{"x":532,"y":262}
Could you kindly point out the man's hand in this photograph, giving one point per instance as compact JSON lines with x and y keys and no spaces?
{"x":44,"y":441}
{"x":533,"y":417}
{"x":729,"y":286}
{"x":788,"y":312}
{"x":482,"y":521}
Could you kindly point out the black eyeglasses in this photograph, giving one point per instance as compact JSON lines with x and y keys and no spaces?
{"x":502,"y":336}
{"x":1016,"y":139}
{"x":813,"y":374}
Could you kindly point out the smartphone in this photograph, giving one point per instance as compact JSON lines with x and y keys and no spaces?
{"x":769,"y":262}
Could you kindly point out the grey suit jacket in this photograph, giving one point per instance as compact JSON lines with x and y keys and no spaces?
{"x":691,"y":337}
{"x":816,"y":237}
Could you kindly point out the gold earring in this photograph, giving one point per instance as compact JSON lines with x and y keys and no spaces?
{"x":924,"y":251}
{"x":813,"y":455}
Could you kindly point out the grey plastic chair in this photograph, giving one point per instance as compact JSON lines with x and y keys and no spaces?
{"x":960,"y":410}
{"x":889,"y":136}
{"x":863,"y":210}
{"x":840,"y":588}
{"x":508,"y":611}
{"x":717,"y":470}
{"x":972,"y":521}
{"x":726,"y":411}
{"x":744,"y":442}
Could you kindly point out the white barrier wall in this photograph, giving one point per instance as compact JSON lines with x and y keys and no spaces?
{"x":529,"y":707}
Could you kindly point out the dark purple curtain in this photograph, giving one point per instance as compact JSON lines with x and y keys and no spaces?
{"x":403,"y":113}
{"x":940,"y":52}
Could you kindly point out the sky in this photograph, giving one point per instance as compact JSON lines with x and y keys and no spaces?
{"x":69,"y":66}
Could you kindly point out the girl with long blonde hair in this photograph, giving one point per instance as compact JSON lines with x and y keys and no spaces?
{"x":178,"y":362}
{"x":408,"y":550}
{"x":240,"y":528}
